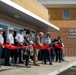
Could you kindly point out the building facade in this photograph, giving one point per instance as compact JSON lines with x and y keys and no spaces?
{"x":62,"y":13}
{"x":26,"y":14}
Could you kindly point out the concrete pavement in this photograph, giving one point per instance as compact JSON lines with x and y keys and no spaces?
{"x":47,"y":69}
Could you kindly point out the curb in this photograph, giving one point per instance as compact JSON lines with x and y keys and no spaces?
{"x":62,"y":69}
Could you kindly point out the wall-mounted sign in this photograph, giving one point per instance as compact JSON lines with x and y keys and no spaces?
{"x":72,"y":34}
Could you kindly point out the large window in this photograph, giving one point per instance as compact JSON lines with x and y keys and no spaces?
{"x":66,"y":14}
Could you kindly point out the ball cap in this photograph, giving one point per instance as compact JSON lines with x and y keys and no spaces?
{"x":11,"y":29}
{"x":1,"y":29}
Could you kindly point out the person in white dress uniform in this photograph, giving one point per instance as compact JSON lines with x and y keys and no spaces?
{"x":10,"y":41}
{"x":1,"y":41}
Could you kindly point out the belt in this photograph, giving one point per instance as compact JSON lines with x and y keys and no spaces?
{"x":11,"y":44}
{"x":21,"y":42}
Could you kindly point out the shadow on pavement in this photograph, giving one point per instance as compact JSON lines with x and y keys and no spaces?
{"x":70,"y":71}
{"x":6,"y":69}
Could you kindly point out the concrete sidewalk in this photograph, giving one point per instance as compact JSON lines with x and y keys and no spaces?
{"x":47,"y":69}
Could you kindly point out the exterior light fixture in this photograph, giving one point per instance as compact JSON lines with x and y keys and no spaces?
{"x":16,"y":16}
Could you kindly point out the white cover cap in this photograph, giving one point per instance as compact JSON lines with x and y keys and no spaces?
{"x":11,"y":29}
{"x":1,"y":29}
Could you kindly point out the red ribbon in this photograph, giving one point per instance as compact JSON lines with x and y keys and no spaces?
{"x":58,"y":46}
{"x":43,"y":47}
{"x":13,"y":47}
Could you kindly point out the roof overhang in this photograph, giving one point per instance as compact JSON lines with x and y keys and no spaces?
{"x":58,"y":3}
{"x":10,"y":9}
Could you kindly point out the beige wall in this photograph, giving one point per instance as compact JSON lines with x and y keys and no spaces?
{"x":57,"y":13}
{"x":64,"y":23}
{"x":57,"y":17}
{"x":58,"y":20}
{"x":34,"y":7}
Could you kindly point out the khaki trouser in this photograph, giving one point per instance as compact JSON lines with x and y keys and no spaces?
{"x":36,"y":56}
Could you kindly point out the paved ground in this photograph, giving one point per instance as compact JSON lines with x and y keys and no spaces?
{"x":41,"y":70}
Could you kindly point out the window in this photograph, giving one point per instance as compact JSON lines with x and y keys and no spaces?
{"x":66,"y":14}
{"x":33,"y":35}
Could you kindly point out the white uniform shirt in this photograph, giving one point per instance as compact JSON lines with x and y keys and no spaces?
{"x":11,"y":38}
{"x":20,"y":37}
{"x":1,"y":39}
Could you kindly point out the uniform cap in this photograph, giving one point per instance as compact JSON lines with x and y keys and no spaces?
{"x":11,"y":29}
{"x":1,"y":29}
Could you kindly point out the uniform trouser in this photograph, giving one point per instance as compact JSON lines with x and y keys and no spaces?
{"x":15,"y":56}
{"x":1,"y":50}
{"x":18,"y":53}
{"x":7,"y":57}
{"x":36,"y":56}
{"x":45,"y":54}
{"x":58,"y":55}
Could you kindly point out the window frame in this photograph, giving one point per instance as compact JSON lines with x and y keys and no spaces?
{"x":69,"y":15}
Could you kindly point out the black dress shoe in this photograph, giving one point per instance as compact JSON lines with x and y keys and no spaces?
{"x":56,"y":61}
{"x":62,"y":59}
{"x":44,"y":63}
{"x":59,"y":61}
{"x":21,"y":62}
{"x":51,"y":64}
{"x":7,"y":64}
